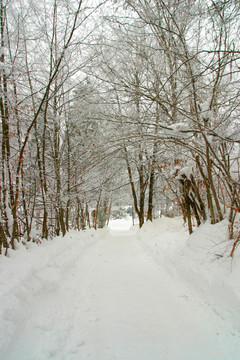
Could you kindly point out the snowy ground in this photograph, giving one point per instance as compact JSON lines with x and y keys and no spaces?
{"x":121,"y":294}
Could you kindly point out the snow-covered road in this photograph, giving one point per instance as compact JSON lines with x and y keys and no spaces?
{"x":113,"y":302}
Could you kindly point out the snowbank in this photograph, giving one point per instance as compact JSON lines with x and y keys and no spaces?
{"x":34,"y":270}
{"x":201,"y":260}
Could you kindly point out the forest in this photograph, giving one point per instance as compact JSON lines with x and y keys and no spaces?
{"x":125,"y":102}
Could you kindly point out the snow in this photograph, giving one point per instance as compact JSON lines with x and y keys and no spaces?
{"x":205,"y":109}
{"x":122,"y":293}
{"x":187,"y":171}
{"x":201,"y":260}
{"x":121,"y":224}
{"x":178,"y":129}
